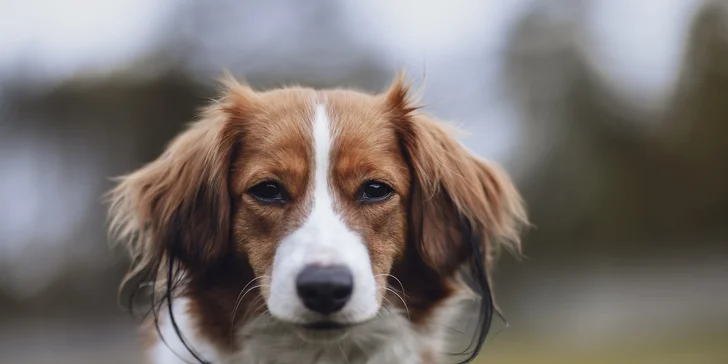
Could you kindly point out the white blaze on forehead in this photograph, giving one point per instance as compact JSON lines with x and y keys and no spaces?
{"x":323,"y":239}
{"x":323,"y":204}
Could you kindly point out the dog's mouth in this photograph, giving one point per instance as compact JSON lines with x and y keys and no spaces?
{"x":323,"y":331}
{"x":325,"y":326}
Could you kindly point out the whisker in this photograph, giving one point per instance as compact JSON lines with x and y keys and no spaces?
{"x":388,"y":302}
{"x":237,"y":305}
{"x":344,"y":354}
{"x":242,"y":291}
{"x":255,"y":306}
{"x":390,"y":289}
{"x":393,"y":277}
{"x":401,"y":299}
{"x":386,"y":307}
{"x":240,"y":298}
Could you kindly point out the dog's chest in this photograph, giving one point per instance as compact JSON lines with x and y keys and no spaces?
{"x":383,"y":341}
{"x":387,"y":339}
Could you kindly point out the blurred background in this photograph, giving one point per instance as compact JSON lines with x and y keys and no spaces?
{"x":611,"y":116}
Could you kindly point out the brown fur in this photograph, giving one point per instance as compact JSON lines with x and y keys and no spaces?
{"x":365,"y":148}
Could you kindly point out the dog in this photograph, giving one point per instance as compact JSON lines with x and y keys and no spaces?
{"x":297,"y":225}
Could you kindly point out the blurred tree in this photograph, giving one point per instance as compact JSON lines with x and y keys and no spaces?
{"x":607,"y":179}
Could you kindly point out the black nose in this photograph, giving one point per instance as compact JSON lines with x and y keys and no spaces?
{"x":325,"y":289}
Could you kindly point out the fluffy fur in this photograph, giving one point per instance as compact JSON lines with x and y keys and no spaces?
{"x":220,"y":263}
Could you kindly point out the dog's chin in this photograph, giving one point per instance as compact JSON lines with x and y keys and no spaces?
{"x":323,"y":331}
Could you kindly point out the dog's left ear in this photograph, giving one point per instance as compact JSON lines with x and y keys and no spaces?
{"x":461,"y":205}
{"x":462,"y":208}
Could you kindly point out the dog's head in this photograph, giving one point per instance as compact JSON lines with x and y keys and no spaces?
{"x":322,"y":202}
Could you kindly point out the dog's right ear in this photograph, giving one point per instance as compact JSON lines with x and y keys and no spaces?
{"x":178,"y":207}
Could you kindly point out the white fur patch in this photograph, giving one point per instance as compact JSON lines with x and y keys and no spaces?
{"x":323,"y":239}
{"x":170,"y":349}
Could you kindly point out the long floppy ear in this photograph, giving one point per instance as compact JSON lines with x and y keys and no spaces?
{"x":178,"y":207}
{"x":453,"y":187}
{"x":462,"y":207}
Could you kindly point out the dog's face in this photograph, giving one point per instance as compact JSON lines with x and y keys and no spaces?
{"x":318,"y":201}
{"x":321,"y":187}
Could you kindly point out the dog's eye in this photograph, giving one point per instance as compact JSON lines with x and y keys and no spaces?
{"x":374,"y":191}
{"x":268,"y":192}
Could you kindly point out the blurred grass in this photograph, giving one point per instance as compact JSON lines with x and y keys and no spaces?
{"x":702,"y":348}
{"x":116,"y":344}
